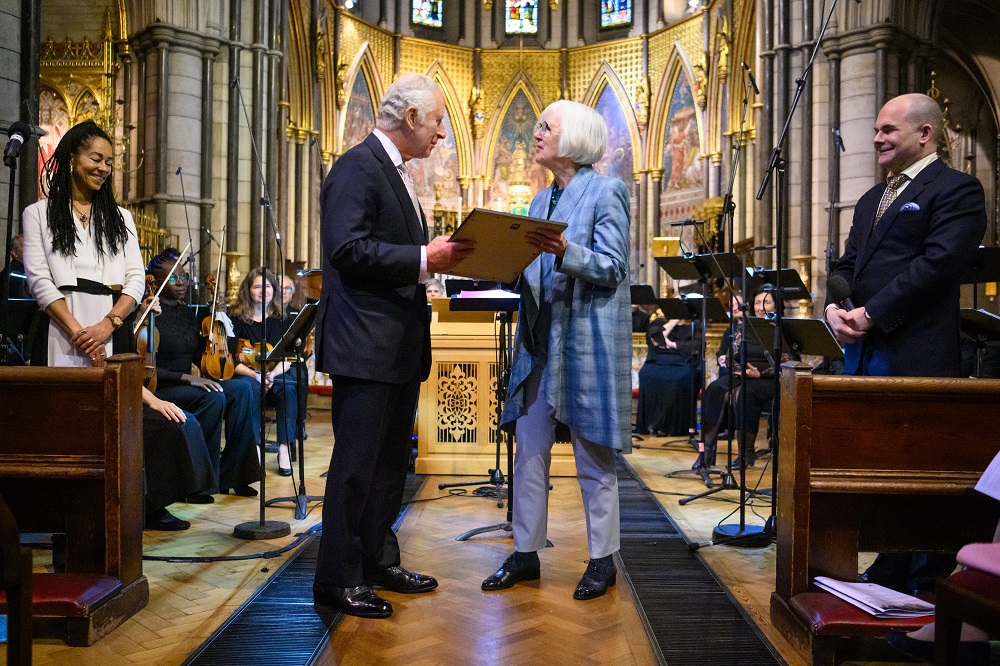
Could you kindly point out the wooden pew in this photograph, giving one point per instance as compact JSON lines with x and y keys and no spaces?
{"x":71,"y":461}
{"x":876,"y":464}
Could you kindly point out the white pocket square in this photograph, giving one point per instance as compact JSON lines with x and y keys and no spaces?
{"x":909,"y":206}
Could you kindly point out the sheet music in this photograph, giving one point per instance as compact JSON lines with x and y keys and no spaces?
{"x":989,"y":482}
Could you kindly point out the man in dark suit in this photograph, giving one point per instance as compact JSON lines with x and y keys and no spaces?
{"x":912,"y":236}
{"x":373,"y":338}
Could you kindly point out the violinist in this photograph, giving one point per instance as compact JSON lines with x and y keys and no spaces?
{"x":181,"y":347}
{"x":81,"y":255}
{"x":255,"y":295}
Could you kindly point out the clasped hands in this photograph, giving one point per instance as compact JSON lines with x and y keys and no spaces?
{"x":848,"y":325}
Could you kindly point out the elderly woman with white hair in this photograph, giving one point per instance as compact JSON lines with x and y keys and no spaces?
{"x":572,"y":357}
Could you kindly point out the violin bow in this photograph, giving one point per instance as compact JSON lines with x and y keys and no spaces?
{"x":178,"y":262}
{"x":218,"y":275}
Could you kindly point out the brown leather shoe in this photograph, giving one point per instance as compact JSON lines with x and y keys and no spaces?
{"x":359,"y":601}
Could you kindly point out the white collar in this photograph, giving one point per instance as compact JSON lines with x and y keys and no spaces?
{"x":390,"y":147}
{"x":914,"y":169}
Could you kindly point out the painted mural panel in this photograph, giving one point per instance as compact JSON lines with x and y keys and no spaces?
{"x":515,"y":178}
{"x":683,"y":186}
{"x":439,"y":169}
{"x":617,"y":160}
{"x":53,"y":118}
{"x":359,"y":112}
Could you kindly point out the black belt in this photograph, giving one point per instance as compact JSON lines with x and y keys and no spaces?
{"x":96,"y":288}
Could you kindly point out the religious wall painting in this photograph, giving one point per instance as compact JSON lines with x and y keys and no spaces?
{"x":682,"y":187}
{"x":438,"y":173}
{"x":359,"y":113}
{"x":54,"y":120}
{"x":617,"y":161}
{"x":427,"y":13}
{"x":515,"y":178}
{"x":521,"y":17}
{"x":615,"y":13}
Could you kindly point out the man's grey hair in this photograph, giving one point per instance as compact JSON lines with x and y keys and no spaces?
{"x":583,"y":133}
{"x":409,"y":90}
{"x":924,"y":110}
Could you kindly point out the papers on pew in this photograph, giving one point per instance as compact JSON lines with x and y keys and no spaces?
{"x":989,"y":482}
{"x":876,"y":600}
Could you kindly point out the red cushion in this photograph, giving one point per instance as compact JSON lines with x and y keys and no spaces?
{"x":321,"y":389}
{"x":827,"y":615}
{"x":67,"y":595}
{"x":980,"y":582}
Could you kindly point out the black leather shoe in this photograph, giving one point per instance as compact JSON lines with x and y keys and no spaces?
{"x":243,"y":490}
{"x":398,"y":579}
{"x":969,"y":653}
{"x":199,"y":499}
{"x":599,"y":576}
{"x":359,"y":601}
{"x":517,"y":567}
{"x":284,"y":471}
{"x":164,"y":521}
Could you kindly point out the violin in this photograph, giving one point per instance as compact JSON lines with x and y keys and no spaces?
{"x":247,"y":353}
{"x":147,"y":338}
{"x":216,"y":361}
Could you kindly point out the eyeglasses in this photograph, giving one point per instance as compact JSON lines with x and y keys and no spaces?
{"x":288,"y":289}
{"x":182,"y":279}
{"x":543,"y":127}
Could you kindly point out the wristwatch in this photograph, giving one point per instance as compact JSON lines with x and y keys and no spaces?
{"x":116,"y":321}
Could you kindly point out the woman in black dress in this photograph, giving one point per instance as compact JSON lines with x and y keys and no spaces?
{"x":256,"y":295}
{"x":181,"y":347}
{"x":666,"y":392}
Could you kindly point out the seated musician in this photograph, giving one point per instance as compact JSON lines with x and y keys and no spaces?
{"x":666,"y":394}
{"x":256,"y":295}
{"x":208,"y":398}
{"x":176,"y":460}
{"x":713,"y":399}
{"x":758,"y":386}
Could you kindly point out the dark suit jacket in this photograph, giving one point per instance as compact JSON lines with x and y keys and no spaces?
{"x":372,"y":322}
{"x":906,"y":272}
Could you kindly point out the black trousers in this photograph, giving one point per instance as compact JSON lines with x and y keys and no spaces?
{"x":372,"y":429}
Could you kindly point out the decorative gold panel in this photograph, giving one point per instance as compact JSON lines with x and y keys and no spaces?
{"x":457,"y":404}
{"x":355,"y":32}
{"x":418,"y":55}
{"x":501,"y":67}
{"x":624,"y":57}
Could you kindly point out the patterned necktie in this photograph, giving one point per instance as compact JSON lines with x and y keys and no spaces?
{"x":891,"y":191}
{"x":412,"y":191}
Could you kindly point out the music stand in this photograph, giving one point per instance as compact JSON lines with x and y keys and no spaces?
{"x":290,"y":347}
{"x":984,"y":266}
{"x":17,"y":336}
{"x":642,"y":294}
{"x":983,"y":327}
{"x":504,"y":309}
{"x":455,"y":286}
{"x":792,"y":286}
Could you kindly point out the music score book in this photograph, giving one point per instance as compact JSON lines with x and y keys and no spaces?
{"x":502,"y":246}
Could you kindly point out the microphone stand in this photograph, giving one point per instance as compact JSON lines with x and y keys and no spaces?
{"x":6,"y":344}
{"x":726,"y":221}
{"x":192,"y":283}
{"x":778,"y":164}
{"x":261,"y":529}
{"x":831,"y":244}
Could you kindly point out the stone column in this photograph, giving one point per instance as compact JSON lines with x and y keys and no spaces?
{"x":208,"y":263}
{"x":233,"y":131}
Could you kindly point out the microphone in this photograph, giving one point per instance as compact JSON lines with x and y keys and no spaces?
{"x":753,"y":81}
{"x":839,"y":140}
{"x":687,"y":223}
{"x":840,"y":291}
{"x":18,"y":133}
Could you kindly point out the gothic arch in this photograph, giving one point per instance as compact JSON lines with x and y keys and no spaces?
{"x":520,"y":82}
{"x":363,"y":65}
{"x":459,"y":121}
{"x":677,"y":63}
{"x":300,"y":88}
{"x":606,"y":78}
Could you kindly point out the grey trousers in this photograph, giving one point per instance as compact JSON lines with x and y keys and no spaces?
{"x":595,"y":471}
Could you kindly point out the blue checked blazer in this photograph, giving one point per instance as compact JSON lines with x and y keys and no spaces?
{"x":590,"y":339}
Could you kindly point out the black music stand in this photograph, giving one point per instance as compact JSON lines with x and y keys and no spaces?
{"x":642,"y":294}
{"x":504,"y":309}
{"x":983,"y":327}
{"x":984,"y":266}
{"x":792,"y":286}
{"x":291,"y":347}
{"x":455,"y":286}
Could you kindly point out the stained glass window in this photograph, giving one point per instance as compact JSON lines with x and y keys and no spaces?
{"x":522,"y":17}
{"x":615,"y":13}
{"x":428,"y":12}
